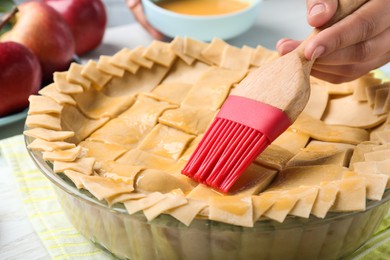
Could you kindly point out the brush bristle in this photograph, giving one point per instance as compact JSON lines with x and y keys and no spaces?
{"x":242,"y":129}
{"x":223,"y":155}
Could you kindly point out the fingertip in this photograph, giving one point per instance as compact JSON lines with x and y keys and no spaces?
{"x":132,"y":3}
{"x":281,"y":42}
{"x":279,"y":46}
{"x":321,"y":12}
{"x":284,"y":46}
{"x":317,"y":9}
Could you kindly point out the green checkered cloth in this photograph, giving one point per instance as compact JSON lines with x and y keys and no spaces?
{"x":63,"y":241}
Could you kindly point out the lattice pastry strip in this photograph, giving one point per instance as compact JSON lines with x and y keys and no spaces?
{"x":181,"y":73}
{"x":363,"y":84}
{"x":211,"y":90}
{"x":319,"y":130}
{"x":160,"y":52}
{"x":119,"y":171}
{"x":74,"y":176}
{"x":134,"y":124}
{"x":154,"y":180}
{"x":221,"y":76}
{"x":291,"y":140}
{"x":262,"y":203}
{"x":136,"y":56}
{"x":103,"y":188}
{"x":235,"y":58}
{"x":42,"y":105}
{"x":325,"y":199}
{"x":204,"y":96}
{"x":283,"y":204}
{"x":148,"y":160}
{"x":107,"y":67}
{"x":318,"y":101}
{"x":67,"y":155}
{"x":122,"y":197}
{"x":84,"y":165}
{"x":274,"y":157}
{"x":96,"y":76}
{"x":82,"y":126}
{"x":122,"y":59}
{"x":376,"y":185}
{"x":170,"y":201}
{"x":64,"y":86}
{"x":173,"y":92}
{"x":146,"y":110}
{"x":254,"y":180}
{"x":236,"y":210}
{"x":52,"y":92}
{"x":351,"y":195}
{"x":166,"y":141}
{"x":177,"y":46}
{"x":190,"y":149}
{"x":145,"y":80}
{"x":151,"y":199}
{"x":121,"y":132}
{"x":187,"y":212}
{"x":42,"y":145}
{"x":382,"y":101}
{"x":48,"y":135}
{"x":323,"y":153}
{"x":187,"y":119}
{"x":372,"y":90}
{"x":262,"y":56}
{"x":47,"y":121}
{"x":307,"y":196}
{"x":102,"y":151}
{"x":346,"y":111}
{"x":74,"y":75}
{"x":212,"y":53}
{"x":95,"y":104}
{"x":194,"y":49}
{"x":383,"y":136}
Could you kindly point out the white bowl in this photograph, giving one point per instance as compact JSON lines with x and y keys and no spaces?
{"x":203,"y":28}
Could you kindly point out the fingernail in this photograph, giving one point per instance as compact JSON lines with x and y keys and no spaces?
{"x":281,"y":41}
{"x":131,"y":3}
{"x":316,"y":9}
{"x":318,"y":52}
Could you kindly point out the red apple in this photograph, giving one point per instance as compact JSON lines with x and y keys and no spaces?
{"x":44,"y":31}
{"x":87,"y":20}
{"x":19,"y":78}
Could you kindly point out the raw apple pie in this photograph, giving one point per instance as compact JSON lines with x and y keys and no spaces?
{"x":124,"y":126}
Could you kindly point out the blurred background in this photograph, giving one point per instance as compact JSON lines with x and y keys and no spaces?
{"x":117,"y":7}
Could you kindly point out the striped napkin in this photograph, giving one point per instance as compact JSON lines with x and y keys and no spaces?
{"x":60,"y":238}
{"x":63,"y":241}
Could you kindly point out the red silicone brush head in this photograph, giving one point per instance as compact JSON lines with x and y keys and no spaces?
{"x":241,"y":131}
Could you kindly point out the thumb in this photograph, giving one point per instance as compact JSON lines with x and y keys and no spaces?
{"x":319,"y":12}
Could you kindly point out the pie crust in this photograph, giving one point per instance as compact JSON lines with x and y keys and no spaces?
{"x":124,"y":126}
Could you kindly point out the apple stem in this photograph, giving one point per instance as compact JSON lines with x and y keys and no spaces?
{"x":7,"y":17}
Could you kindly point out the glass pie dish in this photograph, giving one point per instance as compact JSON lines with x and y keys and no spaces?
{"x":133,"y":237}
{"x":114,"y":134}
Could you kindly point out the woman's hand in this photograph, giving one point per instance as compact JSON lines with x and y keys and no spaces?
{"x":135,"y":7}
{"x":350,"y":48}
